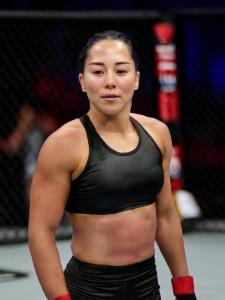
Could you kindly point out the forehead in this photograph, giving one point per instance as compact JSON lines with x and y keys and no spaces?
{"x":109,"y":49}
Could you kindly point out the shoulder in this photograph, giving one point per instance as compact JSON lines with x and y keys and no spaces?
{"x":62,"y":147}
{"x":152,"y":123}
{"x":159,"y":131}
{"x":71,"y":130}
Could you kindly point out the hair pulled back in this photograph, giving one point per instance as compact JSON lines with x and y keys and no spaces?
{"x":105,"y":35}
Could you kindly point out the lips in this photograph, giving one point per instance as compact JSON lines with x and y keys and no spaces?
{"x":110,"y":96}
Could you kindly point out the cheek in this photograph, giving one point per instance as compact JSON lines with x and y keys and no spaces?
{"x":92,"y":84}
{"x":129,"y":85}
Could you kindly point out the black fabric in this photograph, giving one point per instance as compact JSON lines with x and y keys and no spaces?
{"x":100,"y":282}
{"x":186,"y":297}
{"x":113,"y":181}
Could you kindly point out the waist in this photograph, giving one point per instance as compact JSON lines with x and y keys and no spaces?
{"x":118,"y":272}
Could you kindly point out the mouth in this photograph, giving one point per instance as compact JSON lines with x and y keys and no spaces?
{"x":110,"y":97}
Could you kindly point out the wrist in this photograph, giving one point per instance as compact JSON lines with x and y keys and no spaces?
{"x":63,"y":297}
{"x":183,"y":287}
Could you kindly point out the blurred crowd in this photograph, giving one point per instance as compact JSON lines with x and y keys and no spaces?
{"x":25,"y":125}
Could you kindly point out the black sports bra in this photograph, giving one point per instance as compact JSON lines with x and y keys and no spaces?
{"x":112,"y":181}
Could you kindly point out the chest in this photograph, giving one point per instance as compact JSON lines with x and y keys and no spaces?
{"x":121,"y":172}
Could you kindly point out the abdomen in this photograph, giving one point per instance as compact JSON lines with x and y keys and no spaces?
{"x":115,"y":239}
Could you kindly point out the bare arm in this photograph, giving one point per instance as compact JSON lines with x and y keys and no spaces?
{"x":169,"y":234}
{"x":49,"y":191}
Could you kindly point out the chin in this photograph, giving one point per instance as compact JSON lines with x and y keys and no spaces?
{"x":115,"y":110}
{"x":112,"y":112}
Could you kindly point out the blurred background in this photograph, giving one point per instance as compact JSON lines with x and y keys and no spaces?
{"x":39,"y":92}
{"x":72,"y":5}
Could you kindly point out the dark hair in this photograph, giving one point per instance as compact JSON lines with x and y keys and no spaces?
{"x":105,"y":35}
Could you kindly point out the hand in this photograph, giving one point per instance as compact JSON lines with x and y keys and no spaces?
{"x":183,"y":288}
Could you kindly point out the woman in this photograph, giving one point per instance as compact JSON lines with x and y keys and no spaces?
{"x":110,"y":171}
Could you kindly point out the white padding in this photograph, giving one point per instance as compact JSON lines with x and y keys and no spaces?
{"x":187,"y":205}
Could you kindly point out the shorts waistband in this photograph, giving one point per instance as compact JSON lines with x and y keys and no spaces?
{"x":120,"y":282}
{"x":98,"y":269}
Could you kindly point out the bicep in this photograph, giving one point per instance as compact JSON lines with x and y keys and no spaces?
{"x":164,"y":199}
{"x":49,"y":191}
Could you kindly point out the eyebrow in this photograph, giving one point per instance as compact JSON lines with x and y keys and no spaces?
{"x":98,"y":63}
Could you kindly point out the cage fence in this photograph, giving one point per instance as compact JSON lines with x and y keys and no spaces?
{"x":39,"y":91}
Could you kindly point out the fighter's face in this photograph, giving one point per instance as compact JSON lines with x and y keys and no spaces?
{"x":109,"y":76}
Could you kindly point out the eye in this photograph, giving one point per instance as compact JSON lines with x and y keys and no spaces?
{"x":121,"y":72}
{"x":97,"y":72}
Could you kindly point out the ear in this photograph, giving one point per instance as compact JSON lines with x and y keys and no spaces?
{"x":81,"y":80}
{"x":137,"y":80}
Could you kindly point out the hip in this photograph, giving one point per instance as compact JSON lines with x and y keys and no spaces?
{"x":98,"y":282}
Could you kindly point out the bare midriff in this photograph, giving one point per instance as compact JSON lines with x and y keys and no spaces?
{"x":114,"y":239}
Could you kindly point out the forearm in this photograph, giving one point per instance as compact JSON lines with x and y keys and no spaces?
{"x":47,"y":264}
{"x":169,"y":238}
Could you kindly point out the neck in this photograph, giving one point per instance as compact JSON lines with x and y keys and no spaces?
{"x":114,"y":123}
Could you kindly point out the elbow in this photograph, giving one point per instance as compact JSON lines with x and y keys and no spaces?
{"x":168,"y":227}
{"x":168,"y":215}
{"x":39,"y":235}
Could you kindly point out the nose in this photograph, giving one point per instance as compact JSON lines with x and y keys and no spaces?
{"x":110,"y":80}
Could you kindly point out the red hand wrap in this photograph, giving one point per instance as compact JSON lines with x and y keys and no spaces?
{"x":183,"y":285}
{"x":63,"y":297}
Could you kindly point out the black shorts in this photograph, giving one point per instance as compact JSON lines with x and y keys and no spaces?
{"x":137,"y":281}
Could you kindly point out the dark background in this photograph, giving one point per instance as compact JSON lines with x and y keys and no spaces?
{"x":160,"y":5}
